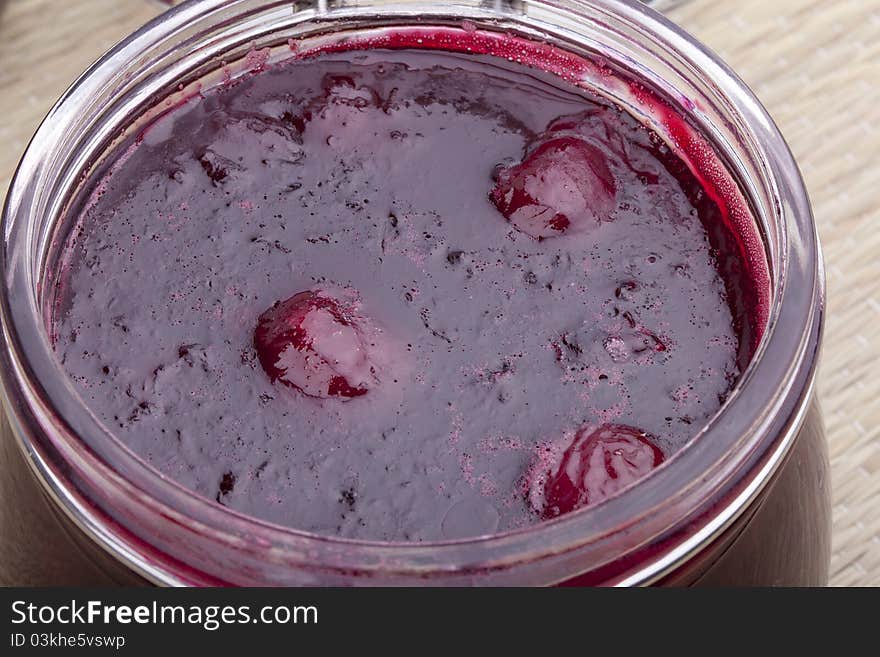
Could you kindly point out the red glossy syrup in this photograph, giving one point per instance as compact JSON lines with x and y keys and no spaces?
{"x":401,"y":293}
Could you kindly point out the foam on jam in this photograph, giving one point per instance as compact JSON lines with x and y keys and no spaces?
{"x":402,"y":294}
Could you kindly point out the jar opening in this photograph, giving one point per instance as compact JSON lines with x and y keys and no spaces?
{"x":636,"y":89}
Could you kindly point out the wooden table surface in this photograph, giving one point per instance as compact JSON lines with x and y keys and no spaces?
{"x":816,"y":66}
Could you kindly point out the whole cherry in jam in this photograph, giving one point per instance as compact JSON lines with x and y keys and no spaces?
{"x":597,"y":464}
{"x":316,"y":343}
{"x":563,"y":185}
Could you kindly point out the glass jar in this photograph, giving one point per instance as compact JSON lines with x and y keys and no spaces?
{"x":745,"y":503}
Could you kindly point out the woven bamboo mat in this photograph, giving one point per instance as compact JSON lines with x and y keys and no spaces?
{"x":814,"y":63}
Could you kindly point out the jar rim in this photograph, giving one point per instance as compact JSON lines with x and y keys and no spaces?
{"x":729,"y":460}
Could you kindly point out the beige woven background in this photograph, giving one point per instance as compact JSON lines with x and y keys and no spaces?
{"x":814,"y":63}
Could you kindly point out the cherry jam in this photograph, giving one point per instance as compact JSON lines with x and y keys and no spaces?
{"x":402,"y":295}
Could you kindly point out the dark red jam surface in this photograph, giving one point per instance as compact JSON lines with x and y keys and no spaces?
{"x":401,"y":295}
